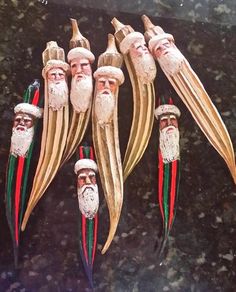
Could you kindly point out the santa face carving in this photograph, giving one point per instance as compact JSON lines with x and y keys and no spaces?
{"x":169,"y":137}
{"x":105,"y":99}
{"x":22,"y":134}
{"x":23,"y":121}
{"x":80,"y":67}
{"x":81,"y":84}
{"x":143,"y":61}
{"x":57,"y":88}
{"x":87,"y":191}
{"x":168,"y":56}
{"x":138,"y":48}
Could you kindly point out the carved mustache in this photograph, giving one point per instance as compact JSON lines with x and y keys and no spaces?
{"x":86,"y":187}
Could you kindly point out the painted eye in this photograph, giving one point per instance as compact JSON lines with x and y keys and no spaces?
{"x":102,"y":82}
{"x":84,"y":64}
{"x":164,"y":119}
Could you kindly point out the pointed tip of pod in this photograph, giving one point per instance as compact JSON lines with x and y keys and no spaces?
{"x":113,"y":227}
{"x":150,"y":29}
{"x":111,"y":57}
{"x":53,"y":52}
{"x":111,"y":45}
{"x":233,"y":173}
{"x":147,"y":22}
{"x":77,"y":40}
{"x":117,"y":24}
{"x":75,"y":29}
{"x":26,"y":218}
{"x":23,"y":224}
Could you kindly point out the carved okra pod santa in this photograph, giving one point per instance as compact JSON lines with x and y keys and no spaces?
{"x":88,"y":199}
{"x":105,"y":132}
{"x":167,"y":115}
{"x":190,"y":89}
{"x":55,"y":123}
{"x":142,"y":71}
{"x":24,"y":132}
{"x":80,"y":59}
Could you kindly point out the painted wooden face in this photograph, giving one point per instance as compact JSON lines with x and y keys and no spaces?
{"x":161,"y":48}
{"x":138,"y":49}
{"x":23,"y":120}
{"x":168,"y":120}
{"x":56,"y":74}
{"x":86,"y":177}
{"x":80,"y":67}
{"x":104,"y":83}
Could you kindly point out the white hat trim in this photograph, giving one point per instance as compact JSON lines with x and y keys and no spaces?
{"x":155,"y":40}
{"x":166,"y":109}
{"x":110,"y":71}
{"x":55,"y":64}
{"x":28,"y":109}
{"x":85,"y":163}
{"x":129,"y":40}
{"x":80,"y":52}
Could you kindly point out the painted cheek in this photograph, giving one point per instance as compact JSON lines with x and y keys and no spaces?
{"x":73,"y":71}
{"x":158,"y":53}
{"x":175,"y":123}
{"x":100,"y":86}
{"x":163,"y":124}
{"x":80,"y":183}
{"x":93,"y":180}
{"x":15,"y":124}
{"x":51,"y":77}
{"x":87,"y":70}
{"x":112,"y":87}
{"x":29,"y":124}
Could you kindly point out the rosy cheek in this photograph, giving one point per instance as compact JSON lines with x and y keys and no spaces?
{"x":80,"y":183}
{"x":87,"y":71}
{"x":112,"y":88}
{"x":73,"y":71}
{"x":158,"y":53}
{"x":100,"y":86}
{"x":93,"y":180}
{"x":162,"y":125}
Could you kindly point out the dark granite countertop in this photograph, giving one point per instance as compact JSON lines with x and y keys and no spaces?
{"x":202,"y":246}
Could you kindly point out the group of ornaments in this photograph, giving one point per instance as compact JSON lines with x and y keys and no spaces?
{"x":64,"y":125}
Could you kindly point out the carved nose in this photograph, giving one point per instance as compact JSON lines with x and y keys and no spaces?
{"x":78,"y":69}
{"x":107,"y":85}
{"x":87,"y":180}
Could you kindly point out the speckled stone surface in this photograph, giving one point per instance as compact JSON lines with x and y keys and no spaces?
{"x":202,"y":247}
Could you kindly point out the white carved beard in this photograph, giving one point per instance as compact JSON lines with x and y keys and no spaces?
{"x":88,"y":199}
{"x":172,"y":61}
{"x":81,"y":93}
{"x":169,"y":144}
{"x":57,"y":94}
{"x":145,"y":67}
{"x":21,"y":141}
{"x":104,"y":107}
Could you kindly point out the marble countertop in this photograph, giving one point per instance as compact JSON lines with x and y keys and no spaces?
{"x":201,"y":250}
